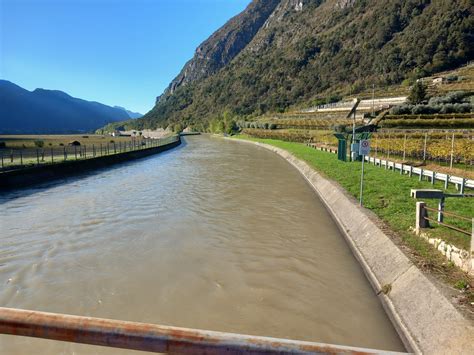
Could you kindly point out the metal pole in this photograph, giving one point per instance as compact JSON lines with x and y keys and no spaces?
{"x":424,"y":147}
{"x":404,"y":146}
{"x":362,"y":180}
{"x":452,"y":153}
{"x":373,"y":100}
{"x":153,"y":337}
{"x":388,"y":153}
{"x":440,"y":209}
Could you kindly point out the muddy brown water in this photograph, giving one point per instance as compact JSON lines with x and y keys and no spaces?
{"x":213,"y":235}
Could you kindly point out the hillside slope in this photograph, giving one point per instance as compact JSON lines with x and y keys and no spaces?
{"x":303,"y":49}
{"x":51,"y":111}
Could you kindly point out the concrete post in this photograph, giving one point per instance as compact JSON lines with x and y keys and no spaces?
{"x":421,"y":213}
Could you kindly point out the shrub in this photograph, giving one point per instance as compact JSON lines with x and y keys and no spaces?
{"x":3,"y":145}
{"x":418,"y":93}
{"x":452,"y":77}
{"x":401,"y":110}
{"x":39,"y":144}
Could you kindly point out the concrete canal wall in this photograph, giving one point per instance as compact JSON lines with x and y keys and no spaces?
{"x":426,"y":321}
{"x":38,"y":174}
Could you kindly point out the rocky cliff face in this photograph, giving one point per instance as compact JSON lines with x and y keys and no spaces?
{"x":280,"y":53}
{"x":224,"y":45}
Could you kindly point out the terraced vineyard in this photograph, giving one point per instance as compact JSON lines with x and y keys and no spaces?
{"x":294,"y":135}
{"x":447,"y":121}
{"x":454,"y":150}
{"x":443,"y":148}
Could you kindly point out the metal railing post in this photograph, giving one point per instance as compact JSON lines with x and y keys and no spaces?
{"x":440,"y":209}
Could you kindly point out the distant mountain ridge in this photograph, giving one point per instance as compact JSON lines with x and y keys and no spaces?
{"x":130,"y":114}
{"x":279,"y":54}
{"x":44,"y":111}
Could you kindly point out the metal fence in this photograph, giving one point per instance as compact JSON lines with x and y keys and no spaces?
{"x":459,"y":182}
{"x":11,"y":159}
{"x":453,"y":148}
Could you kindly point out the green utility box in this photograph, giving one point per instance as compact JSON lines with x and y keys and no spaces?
{"x":341,"y":146}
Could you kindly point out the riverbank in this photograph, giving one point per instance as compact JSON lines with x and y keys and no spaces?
{"x":426,"y":320}
{"x":34,"y":175}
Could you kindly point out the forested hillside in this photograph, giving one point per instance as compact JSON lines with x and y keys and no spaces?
{"x":278,"y":54}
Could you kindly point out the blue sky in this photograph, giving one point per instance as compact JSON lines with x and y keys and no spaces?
{"x":118,"y":52}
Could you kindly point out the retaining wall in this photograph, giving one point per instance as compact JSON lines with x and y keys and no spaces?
{"x":39,"y":174}
{"x":426,"y":321}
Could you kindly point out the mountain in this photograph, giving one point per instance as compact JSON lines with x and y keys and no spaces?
{"x":279,"y":54}
{"x":50,"y":111}
{"x":130,"y":114}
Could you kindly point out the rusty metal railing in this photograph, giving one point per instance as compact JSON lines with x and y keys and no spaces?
{"x":154,"y":338}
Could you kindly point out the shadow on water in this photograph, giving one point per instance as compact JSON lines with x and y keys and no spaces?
{"x":8,"y":195}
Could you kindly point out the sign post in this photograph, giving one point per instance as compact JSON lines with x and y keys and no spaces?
{"x":364,"y":149}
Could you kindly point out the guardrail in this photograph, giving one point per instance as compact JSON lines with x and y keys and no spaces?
{"x":154,"y":338}
{"x":460,"y":183}
{"x":432,"y":176}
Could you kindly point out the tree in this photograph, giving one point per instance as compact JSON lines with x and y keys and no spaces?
{"x":418,"y":93}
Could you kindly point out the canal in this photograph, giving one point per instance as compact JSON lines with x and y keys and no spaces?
{"x":214,"y":235}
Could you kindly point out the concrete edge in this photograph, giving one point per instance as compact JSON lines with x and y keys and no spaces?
{"x":426,"y":321}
